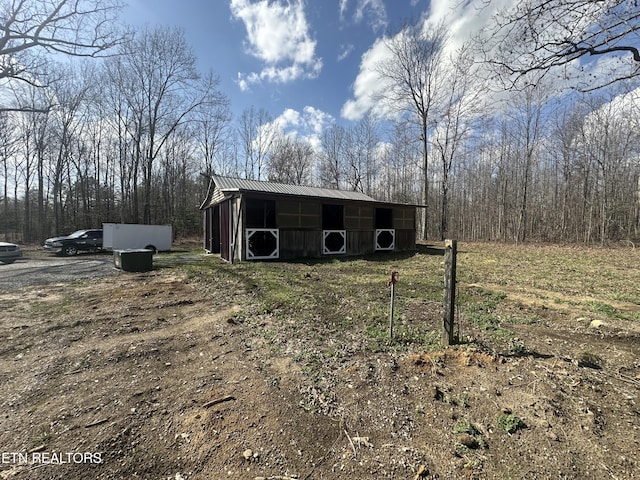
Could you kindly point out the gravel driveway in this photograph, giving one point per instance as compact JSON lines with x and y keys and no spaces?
{"x":38,"y":268}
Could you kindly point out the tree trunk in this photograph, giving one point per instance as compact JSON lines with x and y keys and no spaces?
{"x":425,"y":168}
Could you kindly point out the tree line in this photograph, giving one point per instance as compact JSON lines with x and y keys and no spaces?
{"x":136,"y":135}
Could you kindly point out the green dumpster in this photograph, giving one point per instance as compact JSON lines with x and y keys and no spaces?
{"x":134,"y":260}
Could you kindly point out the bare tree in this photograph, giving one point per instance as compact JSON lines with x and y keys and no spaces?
{"x":71,"y":96}
{"x":175,"y":190}
{"x":402,"y":166}
{"x":8,"y":147}
{"x":257,"y":134}
{"x":36,"y":148}
{"x":212,"y":120}
{"x":162,"y":90}
{"x":361,"y":155}
{"x":542,"y":35}
{"x":566,"y":135}
{"x":611,"y":145}
{"x":30,"y":29}
{"x":290,"y":161}
{"x":414,"y":75}
{"x":125,"y":117}
{"x":331,"y":161}
{"x":528,"y":117}
{"x":460,"y":104}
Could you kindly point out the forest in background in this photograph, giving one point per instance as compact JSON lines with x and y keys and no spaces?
{"x":134,"y":137}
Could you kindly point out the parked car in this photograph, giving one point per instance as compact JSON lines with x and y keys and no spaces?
{"x":9,"y":252}
{"x":82,"y":240}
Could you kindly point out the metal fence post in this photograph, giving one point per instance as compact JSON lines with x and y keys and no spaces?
{"x":392,"y":283}
{"x":450,"y":253}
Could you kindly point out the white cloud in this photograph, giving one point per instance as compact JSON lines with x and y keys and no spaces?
{"x":367,"y":85}
{"x":278,"y":35}
{"x":373,"y":10}
{"x":464,"y":19}
{"x":343,"y":7}
{"x":317,"y":119}
{"x":308,"y":124}
{"x":288,"y":118}
{"x":345,"y":51}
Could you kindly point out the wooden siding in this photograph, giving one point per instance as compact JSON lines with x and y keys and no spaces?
{"x":308,"y":243}
{"x":217,"y":196}
{"x":404,"y":218}
{"x":360,"y":242}
{"x":405,"y":240}
{"x":358,"y":217}
{"x":300,"y":243}
{"x":238,"y":226}
{"x":298,"y":214}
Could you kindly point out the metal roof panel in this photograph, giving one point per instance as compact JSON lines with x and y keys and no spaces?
{"x":227,"y":184}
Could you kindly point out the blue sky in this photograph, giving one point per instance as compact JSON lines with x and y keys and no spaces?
{"x":293,"y":58}
{"x":309,"y":63}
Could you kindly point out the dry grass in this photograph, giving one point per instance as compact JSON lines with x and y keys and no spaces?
{"x":185,"y":368}
{"x":589,"y":281}
{"x":331,"y":308}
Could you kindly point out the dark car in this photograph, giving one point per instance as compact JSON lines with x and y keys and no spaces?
{"x":82,"y":240}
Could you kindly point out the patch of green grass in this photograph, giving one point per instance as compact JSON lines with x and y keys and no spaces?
{"x":463,"y":426}
{"x":509,"y":423}
{"x":378,"y":337}
{"x":54,"y":309}
{"x":456,"y":400}
{"x":517,"y":347}
{"x":480,"y":303}
{"x":607,"y":273}
{"x":603,"y":308}
{"x":479,"y":306}
{"x":405,"y":336}
{"x":335,"y":307}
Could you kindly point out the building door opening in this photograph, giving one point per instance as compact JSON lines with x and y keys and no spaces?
{"x":262,"y":235}
{"x":334,"y":237}
{"x":385,"y":236}
{"x":225,"y":230}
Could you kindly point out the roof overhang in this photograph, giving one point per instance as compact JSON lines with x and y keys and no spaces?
{"x":251,"y":188}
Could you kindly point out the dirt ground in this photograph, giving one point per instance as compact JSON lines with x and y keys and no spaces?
{"x":158,"y":376}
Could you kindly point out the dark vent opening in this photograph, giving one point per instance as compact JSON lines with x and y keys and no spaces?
{"x":332,"y":217}
{"x":263,"y":244}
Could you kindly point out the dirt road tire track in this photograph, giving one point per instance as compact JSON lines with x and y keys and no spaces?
{"x":39,"y":268}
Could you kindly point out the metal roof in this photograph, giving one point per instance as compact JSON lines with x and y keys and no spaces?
{"x":227,"y":185}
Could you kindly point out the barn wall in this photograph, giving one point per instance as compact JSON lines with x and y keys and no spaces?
{"x":298,"y":214}
{"x":237,"y":228}
{"x":207,"y":229}
{"x":358,"y":217}
{"x":300,"y":243}
{"x":405,"y":240}
{"x":299,"y":222}
{"x":211,"y":226}
{"x":217,"y":196}
{"x":360,"y":242}
{"x":404,"y":218}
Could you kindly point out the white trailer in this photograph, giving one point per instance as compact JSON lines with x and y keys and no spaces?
{"x":127,"y":236}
